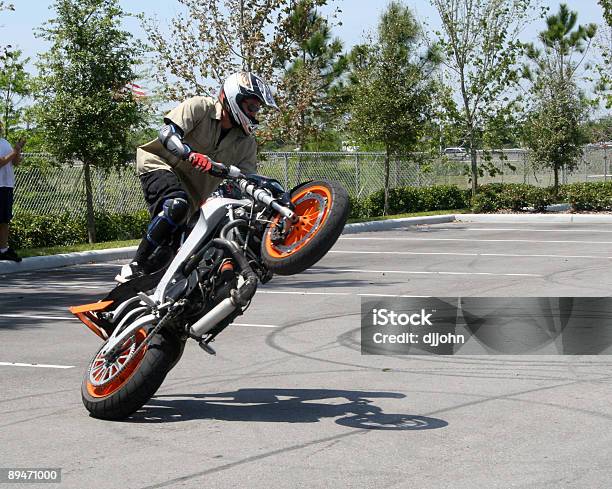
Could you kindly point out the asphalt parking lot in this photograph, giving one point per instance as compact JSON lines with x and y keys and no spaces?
{"x":289,"y":401}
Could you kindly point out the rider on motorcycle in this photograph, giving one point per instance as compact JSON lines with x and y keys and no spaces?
{"x":173,"y":169}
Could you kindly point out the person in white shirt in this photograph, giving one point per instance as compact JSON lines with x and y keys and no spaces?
{"x":9,"y":157}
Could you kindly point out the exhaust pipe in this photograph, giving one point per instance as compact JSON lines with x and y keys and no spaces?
{"x":238,"y":297}
{"x":212,"y":318}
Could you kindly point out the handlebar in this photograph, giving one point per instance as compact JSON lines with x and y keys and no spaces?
{"x":232,"y":172}
{"x":223,"y":171}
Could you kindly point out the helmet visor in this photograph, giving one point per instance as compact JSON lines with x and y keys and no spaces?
{"x":268,"y":99}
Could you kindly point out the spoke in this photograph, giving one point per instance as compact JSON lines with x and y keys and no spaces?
{"x":313,"y":209}
{"x":95,"y":375}
{"x":102,"y":375}
{"x":96,"y":368}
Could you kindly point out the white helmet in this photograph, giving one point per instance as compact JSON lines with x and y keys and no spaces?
{"x":240,"y":86}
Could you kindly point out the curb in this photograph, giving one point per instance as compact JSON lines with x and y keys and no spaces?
{"x":67,"y":259}
{"x":362,"y":227}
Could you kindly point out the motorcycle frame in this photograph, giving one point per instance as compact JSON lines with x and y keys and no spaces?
{"x":211,"y":213}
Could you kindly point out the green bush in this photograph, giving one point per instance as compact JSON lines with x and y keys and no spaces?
{"x":30,"y":230}
{"x":441,"y":197}
{"x":485,"y":202}
{"x":357,"y":209}
{"x":112,"y":227}
{"x":404,"y":200}
{"x":594,"y":196}
{"x":539,"y":198}
{"x":493,"y":197}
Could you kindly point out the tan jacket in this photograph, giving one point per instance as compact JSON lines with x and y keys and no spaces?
{"x":200,"y":120}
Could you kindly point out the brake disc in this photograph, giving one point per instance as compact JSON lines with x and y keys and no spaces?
{"x":322,"y":201}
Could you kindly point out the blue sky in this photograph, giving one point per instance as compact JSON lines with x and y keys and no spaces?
{"x":17,"y":28}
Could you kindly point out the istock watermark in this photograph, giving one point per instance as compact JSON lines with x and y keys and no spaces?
{"x":383,"y":317}
{"x":487,"y":325}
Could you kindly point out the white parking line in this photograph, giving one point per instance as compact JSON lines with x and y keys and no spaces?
{"x":35,"y":317}
{"x":300,"y":292}
{"x":536,"y":230}
{"x":509,"y":255}
{"x":408,"y":272}
{"x":247,"y":325}
{"x":303,"y":292}
{"x":476,"y":240}
{"x":62,"y":286}
{"x":35,"y":365}
{"x":388,"y":295}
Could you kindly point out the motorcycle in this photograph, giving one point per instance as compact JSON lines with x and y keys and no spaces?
{"x":238,"y":242}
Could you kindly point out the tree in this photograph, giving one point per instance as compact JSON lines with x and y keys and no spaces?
{"x":600,"y":130}
{"x":392,"y":87}
{"x":605,"y":46}
{"x":212,"y":39}
{"x":555,"y":133}
{"x":5,"y":6}
{"x":480,"y":41}
{"x":563,"y":41}
{"x":15,"y":86}
{"x":83,"y":107}
{"x":556,"y":128}
{"x":313,"y":64}
{"x":606,"y":5}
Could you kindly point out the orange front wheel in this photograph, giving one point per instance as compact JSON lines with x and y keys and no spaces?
{"x":322,"y":208}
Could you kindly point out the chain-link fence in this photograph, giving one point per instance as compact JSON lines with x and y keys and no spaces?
{"x":44,"y":188}
{"x":360,"y":173}
{"x":515,"y":167}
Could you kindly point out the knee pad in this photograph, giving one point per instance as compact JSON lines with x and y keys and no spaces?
{"x":176,"y":211}
{"x":173,"y":215}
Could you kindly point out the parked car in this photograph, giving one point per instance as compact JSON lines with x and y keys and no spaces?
{"x":455,"y":152}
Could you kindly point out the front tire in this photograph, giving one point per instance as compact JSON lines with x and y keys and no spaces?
{"x":108,"y":394}
{"x":323,"y":208}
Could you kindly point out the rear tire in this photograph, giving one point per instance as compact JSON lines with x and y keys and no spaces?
{"x":323,"y":207}
{"x":143,"y":375}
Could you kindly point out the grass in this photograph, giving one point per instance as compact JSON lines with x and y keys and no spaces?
{"x":56,"y":250}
